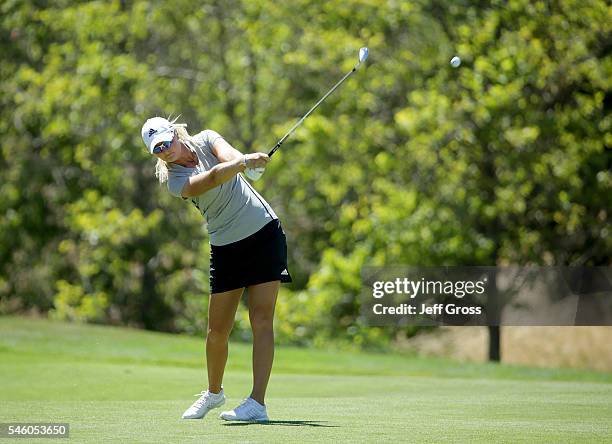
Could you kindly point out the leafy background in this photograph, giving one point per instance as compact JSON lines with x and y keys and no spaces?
{"x":505,"y":160}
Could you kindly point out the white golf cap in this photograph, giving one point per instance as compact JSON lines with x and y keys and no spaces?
{"x":155,"y":130}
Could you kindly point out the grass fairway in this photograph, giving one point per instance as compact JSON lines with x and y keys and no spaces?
{"x":122,"y":385}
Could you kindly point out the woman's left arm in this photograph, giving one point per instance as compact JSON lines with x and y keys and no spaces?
{"x":224,"y":151}
{"x":227,"y":153}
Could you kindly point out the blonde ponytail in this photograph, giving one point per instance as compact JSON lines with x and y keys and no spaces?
{"x":161,"y":171}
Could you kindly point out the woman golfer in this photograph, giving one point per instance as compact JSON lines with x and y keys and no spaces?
{"x":248,"y":249}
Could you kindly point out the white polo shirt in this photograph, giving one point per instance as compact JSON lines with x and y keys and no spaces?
{"x":233,"y":210}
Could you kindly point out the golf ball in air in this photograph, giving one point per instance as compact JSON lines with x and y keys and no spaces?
{"x":455,"y":62}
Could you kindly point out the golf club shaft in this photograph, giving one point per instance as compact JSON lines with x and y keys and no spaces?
{"x":280,"y":142}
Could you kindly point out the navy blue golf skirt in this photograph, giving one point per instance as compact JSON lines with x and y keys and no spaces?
{"x":261,"y":257}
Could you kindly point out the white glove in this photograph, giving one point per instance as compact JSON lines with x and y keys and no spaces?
{"x":254,"y":173}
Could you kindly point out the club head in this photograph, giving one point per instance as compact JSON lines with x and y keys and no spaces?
{"x":363,"y":54}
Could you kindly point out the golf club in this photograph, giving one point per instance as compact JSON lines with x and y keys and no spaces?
{"x":255,"y":173}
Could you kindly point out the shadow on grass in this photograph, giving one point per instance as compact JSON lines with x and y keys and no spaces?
{"x":281,"y":423}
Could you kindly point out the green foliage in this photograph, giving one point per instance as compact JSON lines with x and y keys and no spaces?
{"x":72,"y":304}
{"x":502,"y":160}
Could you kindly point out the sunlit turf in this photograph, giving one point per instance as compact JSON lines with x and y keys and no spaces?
{"x":124,"y":385}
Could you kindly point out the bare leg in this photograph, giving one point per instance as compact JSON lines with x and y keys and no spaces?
{"x":221,"y":313}
{"x":262,"y":299}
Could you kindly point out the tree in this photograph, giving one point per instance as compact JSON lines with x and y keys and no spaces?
{"x":501,"y":161}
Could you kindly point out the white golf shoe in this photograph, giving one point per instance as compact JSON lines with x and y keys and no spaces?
{"x":249,"y":410}
{"x":206,"y":402}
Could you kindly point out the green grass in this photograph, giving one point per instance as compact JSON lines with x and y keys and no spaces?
{"x":123,"y":385}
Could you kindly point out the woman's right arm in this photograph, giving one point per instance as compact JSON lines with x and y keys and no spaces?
{"x":220,"y":173}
